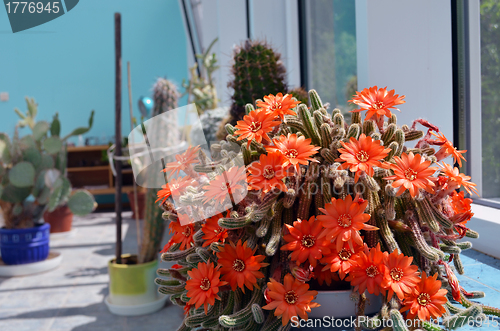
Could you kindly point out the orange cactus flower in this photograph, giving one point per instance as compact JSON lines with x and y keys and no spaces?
{"x":231,"y":182}
{"x":278,"y":105}
{"x":268,"y":173}
{"x":343,"y":219}
{"x":255,"y":125}
{"x":174,"y":186}
{"x":412,"y":173}
{"x":362,"y":155}
{"x":290,"y":299}
{"x":377,"y":101}
{"x":204,"y":285}
{"x":297,"y":150}
{"x":448,"y":149}
{"x":190,"y":156}
{"x":183,"y":234}
{"x":426,"y":300}
{"x":323,"y":275}
{"x":341,"y":261}
{"x":164,"y":193}
{"x":239,"y":266}
{"x":304,"y":241}
{"x":401,"y":275}
{"x":369,"y":272}
{"x":456,"y":179}
{"x":213,"y":232}
{"x":462,"y":208}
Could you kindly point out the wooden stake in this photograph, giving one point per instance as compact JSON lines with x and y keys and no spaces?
{"x":118,"y":136}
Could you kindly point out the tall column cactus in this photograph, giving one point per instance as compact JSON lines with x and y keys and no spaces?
{"x":328,"y":201}
{"x":165,"y":96}
{"x":257,"y":71}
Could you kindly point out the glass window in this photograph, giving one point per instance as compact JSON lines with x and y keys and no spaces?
{"x":331,"y":38}
{"x":490,"y":97}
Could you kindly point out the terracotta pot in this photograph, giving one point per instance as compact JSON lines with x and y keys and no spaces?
{"x":141,"y":196}
{"x":60,"y":219}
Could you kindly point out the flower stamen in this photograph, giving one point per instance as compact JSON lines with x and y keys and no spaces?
{"x":372,"y":271}
{"x":238,"y":265}
{"x":308,"y":241}
{"x":424,"y":299}
{"x":345,"y":220}
{"x":396,"y":274}
{"x":291,"y":297}
{"x":205,"y":284}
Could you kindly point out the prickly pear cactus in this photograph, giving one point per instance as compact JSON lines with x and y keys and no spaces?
{"x":328,"y":203}
{"x":35,"y":165}
{"x":165,"y":96}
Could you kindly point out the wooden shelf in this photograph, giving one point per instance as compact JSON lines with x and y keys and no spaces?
{"x":110,"y":190}
{"x":87,"y":148}
{"x":98,"y":176}
{"x":94,"y":168}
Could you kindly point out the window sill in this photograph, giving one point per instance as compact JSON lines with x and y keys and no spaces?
{"x":486,"y":221}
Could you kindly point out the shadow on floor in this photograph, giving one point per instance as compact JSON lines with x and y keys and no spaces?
{"x":102,"y":318}
{"x":87,"y":272}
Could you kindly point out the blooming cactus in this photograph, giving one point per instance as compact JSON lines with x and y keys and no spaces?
{"x":320,"y":200}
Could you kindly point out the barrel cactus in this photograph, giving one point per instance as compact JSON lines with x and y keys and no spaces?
{"x":257,"y":71}
{"x":328,"y":203}
{"x":33,"y":172}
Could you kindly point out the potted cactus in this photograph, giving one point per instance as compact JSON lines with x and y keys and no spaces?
{"x":32,"y":182}
{"x":66,"y":202}
{"x":140,"y":269}
{"x":315,"y":204}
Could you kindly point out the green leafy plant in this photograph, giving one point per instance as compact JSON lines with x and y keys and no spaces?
{"x":33,"y":171}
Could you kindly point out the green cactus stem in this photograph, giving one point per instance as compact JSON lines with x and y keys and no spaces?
{"x":310,"y":127}
{"x":368,"y":127}
{"x":399,"y":137}
{"x":418,"y":238}
{"x":398,"y":322}
{"x":413,"y":135}
{"x":315,"y":100}
{"x":356,"y":118}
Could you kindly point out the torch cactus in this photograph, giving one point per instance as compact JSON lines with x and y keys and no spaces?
{"x":35,"y":166}
{"x":313,"y":201}
{"x":165,"y":96}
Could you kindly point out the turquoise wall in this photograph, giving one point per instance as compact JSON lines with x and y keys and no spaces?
{"x":67,"y":64}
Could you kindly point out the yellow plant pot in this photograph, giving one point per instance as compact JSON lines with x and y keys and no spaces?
{"x":132,"y":284}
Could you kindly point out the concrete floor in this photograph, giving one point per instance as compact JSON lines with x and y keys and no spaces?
{"x":71,"y":297}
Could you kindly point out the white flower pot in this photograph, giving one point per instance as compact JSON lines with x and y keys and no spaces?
{"x":339,"y":304}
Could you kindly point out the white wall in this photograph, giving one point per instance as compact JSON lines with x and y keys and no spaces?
{"x":274,"y":21}
{"x":406,"y":46}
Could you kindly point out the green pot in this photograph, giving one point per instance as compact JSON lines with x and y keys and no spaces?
{"x":131,"y":283}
